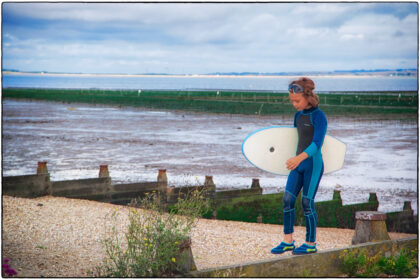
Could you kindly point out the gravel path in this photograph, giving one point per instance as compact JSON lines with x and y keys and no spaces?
{"x":60,"y":237}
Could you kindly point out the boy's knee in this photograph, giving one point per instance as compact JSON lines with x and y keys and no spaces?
{"x":288,"y":201}
{"x":307,"y":205}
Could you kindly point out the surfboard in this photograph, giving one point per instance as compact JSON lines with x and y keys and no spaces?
{"x":269,"y":148}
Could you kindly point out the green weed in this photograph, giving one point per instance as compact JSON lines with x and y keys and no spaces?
{"x":154,"y":242}
{"x":357,"y":263}
{"x":401,"y":265}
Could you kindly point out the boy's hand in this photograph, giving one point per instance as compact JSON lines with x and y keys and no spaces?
{"x":294,"y":162}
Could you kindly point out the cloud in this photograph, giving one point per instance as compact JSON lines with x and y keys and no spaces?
{"x":375,"y":34}
{"x":200,"y":38}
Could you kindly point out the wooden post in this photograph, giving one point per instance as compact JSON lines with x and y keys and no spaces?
{"x":210,"y":188}
{"x":255,"y":184}
{"x":370,"y":227}
{"x":208,"y":182}
{"x":162,"y":180}
{"x":407,"y":206}
{"x":103,"y":171}
{"x":373,"y":197}
{"x":210,"y":192}
{"x":337,"y":195}
{"x":42,"y":168}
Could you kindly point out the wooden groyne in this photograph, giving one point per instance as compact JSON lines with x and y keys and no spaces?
{"x":248,"y":204}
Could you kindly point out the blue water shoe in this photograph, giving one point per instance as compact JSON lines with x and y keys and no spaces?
{"x":283,"y":247}
{"x":305,"y":249}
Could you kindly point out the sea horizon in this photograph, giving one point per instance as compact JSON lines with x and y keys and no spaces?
{"x":330,"y":74}
{"x":392,"y":81}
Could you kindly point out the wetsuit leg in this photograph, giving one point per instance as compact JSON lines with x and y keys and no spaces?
{"x":293,"y":187}
{"x":314,"y":169}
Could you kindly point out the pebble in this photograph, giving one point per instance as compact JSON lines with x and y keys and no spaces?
{"x":66,"y":226}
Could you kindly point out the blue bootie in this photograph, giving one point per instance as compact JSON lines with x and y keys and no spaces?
{"x":283,"y":247}
{"x":305,"y":249}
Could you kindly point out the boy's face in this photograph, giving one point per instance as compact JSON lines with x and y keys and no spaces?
{"x":298,"y":101}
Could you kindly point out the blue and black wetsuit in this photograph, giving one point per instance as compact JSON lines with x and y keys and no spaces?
{"x":312,"y":127}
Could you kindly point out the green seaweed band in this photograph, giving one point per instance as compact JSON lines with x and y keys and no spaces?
{"x":229,"y":102}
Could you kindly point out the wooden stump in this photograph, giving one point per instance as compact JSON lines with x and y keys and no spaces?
{"x":186,"y":256}
{"x":370,"y":227}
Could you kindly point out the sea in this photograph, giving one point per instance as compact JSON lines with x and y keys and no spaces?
{"x":191,"y":82}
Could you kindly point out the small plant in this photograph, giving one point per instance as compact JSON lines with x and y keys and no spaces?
{"x":155,"y":238}
{"x":7,"y":270}
{"x":401,"y":265}
{"x":358,"y":264}
{"x":353,"y":261}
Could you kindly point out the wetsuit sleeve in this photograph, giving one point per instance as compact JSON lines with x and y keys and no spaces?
{"x":319,"y":121}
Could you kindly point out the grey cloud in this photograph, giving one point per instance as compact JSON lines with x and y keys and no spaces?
{"x":200,"y":38}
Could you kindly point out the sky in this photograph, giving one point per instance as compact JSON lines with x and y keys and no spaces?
{"x":200,"y":38}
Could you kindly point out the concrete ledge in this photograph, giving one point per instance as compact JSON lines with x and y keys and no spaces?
{"x":322,"y":264}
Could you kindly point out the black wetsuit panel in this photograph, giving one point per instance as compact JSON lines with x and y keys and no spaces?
{"x":305,"y":132}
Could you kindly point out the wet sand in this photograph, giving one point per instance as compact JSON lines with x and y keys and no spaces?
{"x":75,"y":139}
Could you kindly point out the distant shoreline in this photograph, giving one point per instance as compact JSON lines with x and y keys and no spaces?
{"x":199,"y":75}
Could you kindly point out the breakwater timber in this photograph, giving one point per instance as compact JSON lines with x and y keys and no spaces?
{"x":248,"y":205}
{"x":230,"y":102}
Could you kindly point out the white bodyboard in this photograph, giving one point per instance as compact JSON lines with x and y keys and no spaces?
{"x":269,"y":149}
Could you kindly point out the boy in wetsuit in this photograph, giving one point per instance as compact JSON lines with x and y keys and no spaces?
{"x":306,"y":167}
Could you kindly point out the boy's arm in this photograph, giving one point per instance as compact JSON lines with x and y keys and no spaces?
{"x":320,"y":129}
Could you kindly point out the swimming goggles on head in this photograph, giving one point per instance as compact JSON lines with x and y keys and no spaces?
{"x":295,"y":88}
